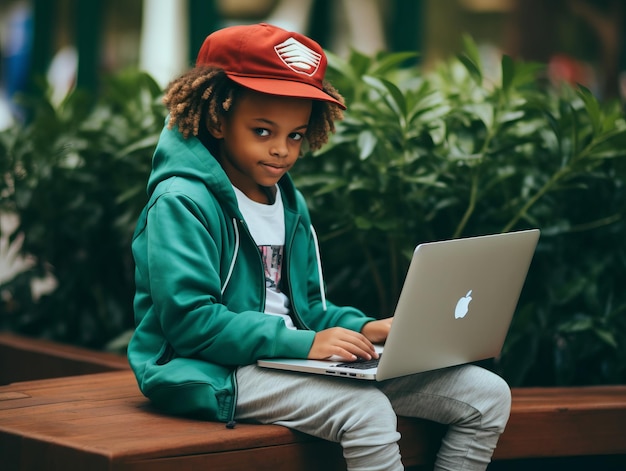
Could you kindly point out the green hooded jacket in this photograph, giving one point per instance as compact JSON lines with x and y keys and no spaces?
{"x":200,"y":285}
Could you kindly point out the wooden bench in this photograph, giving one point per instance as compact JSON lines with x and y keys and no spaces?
{"x":24,"y":359}
{"x":102,"y":422}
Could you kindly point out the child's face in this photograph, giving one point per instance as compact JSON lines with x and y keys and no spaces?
{"x":260,"y":140}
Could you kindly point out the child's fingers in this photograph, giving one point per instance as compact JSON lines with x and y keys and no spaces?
{"x":343,"y":343}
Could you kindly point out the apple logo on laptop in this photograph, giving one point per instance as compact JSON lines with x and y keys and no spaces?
{"x":462,"y":306}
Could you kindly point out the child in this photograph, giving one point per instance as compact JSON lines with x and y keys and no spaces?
{"x":228,"y":270}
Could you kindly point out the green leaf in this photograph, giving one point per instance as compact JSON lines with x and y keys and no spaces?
{"x":339,"y":66}
{"x":363,"y":222}
{"x":330,"y":187}
{"x":607,"y":337}
{"x":388,"y":89}
{"x":508,"y":72}
{"x":577,"y":325}
{"x":367,"y":143}
{"x":391,"y":62}
{"x":359,"y":62}
{"x":592,"y":107}
{"x":397,"y":95}
{"x":146,"y":144}
{"x":483,"y":111}
{"x":526,"y":73}
{"x":472,"y":68}
{"x":471,"y":49}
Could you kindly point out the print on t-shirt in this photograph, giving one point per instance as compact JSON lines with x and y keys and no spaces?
{"x":272,"y":256}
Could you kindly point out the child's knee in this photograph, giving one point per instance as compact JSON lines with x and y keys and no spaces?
{"x":497,"y":413}
{"x":382,"y":413}
{"x":372,"y":415}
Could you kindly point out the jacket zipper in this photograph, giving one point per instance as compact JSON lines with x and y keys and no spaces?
{"x":231,"y":420}
{"x":232,"y":423}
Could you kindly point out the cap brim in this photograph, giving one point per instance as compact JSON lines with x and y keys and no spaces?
{"x":285,"y":88}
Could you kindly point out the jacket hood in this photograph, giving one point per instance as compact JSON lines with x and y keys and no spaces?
{"x":188,"y":158}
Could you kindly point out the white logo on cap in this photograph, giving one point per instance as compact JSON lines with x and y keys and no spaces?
{"x":298,"y":57}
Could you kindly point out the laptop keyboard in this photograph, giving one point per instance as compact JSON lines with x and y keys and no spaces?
{"x":362,"y":364}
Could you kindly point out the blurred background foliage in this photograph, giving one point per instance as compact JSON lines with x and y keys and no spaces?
{"x":453,"y":153}
{"x":420,"y":156}
{"x":75,"y":175}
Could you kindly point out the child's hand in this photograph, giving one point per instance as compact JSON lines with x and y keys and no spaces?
{"x":342,"y":343}
{"x":377,"y":331}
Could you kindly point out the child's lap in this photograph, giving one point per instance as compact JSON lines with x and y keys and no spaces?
{"x":266,"y":395}
{"x":321,"y":406}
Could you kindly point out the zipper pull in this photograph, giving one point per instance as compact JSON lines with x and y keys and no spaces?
{"x":231,"y":424}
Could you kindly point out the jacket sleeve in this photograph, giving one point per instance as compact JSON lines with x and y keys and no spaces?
{"x":184,"y":259}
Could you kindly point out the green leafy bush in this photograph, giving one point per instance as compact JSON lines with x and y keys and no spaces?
{"x":420,"y":156}
{"x":450,"y":153}
{"x":76,"y":175}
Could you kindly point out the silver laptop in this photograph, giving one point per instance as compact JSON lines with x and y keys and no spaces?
{"x":455,"y":307}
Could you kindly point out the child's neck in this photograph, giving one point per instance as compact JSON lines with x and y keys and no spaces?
{"x":270,"y":193}
{"x":262,"y":194}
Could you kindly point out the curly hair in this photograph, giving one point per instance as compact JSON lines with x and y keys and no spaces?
{"x":206,"y":93}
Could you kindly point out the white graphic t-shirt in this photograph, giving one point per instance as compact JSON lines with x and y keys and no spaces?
{"x":266,"y":223}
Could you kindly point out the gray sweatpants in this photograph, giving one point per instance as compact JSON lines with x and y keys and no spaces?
{"x":361,"y":415}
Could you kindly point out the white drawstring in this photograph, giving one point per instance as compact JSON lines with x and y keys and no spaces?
{"x":319,"y":267}
{"x":232,"y":262}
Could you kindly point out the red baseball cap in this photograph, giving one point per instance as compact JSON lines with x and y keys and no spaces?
{"x":268,"y":59}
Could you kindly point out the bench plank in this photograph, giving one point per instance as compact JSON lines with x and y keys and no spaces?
{"x":569,"y":421}
{"x":25,"y":359}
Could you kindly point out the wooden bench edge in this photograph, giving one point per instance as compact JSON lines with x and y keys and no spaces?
{"x":25,"y":359}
